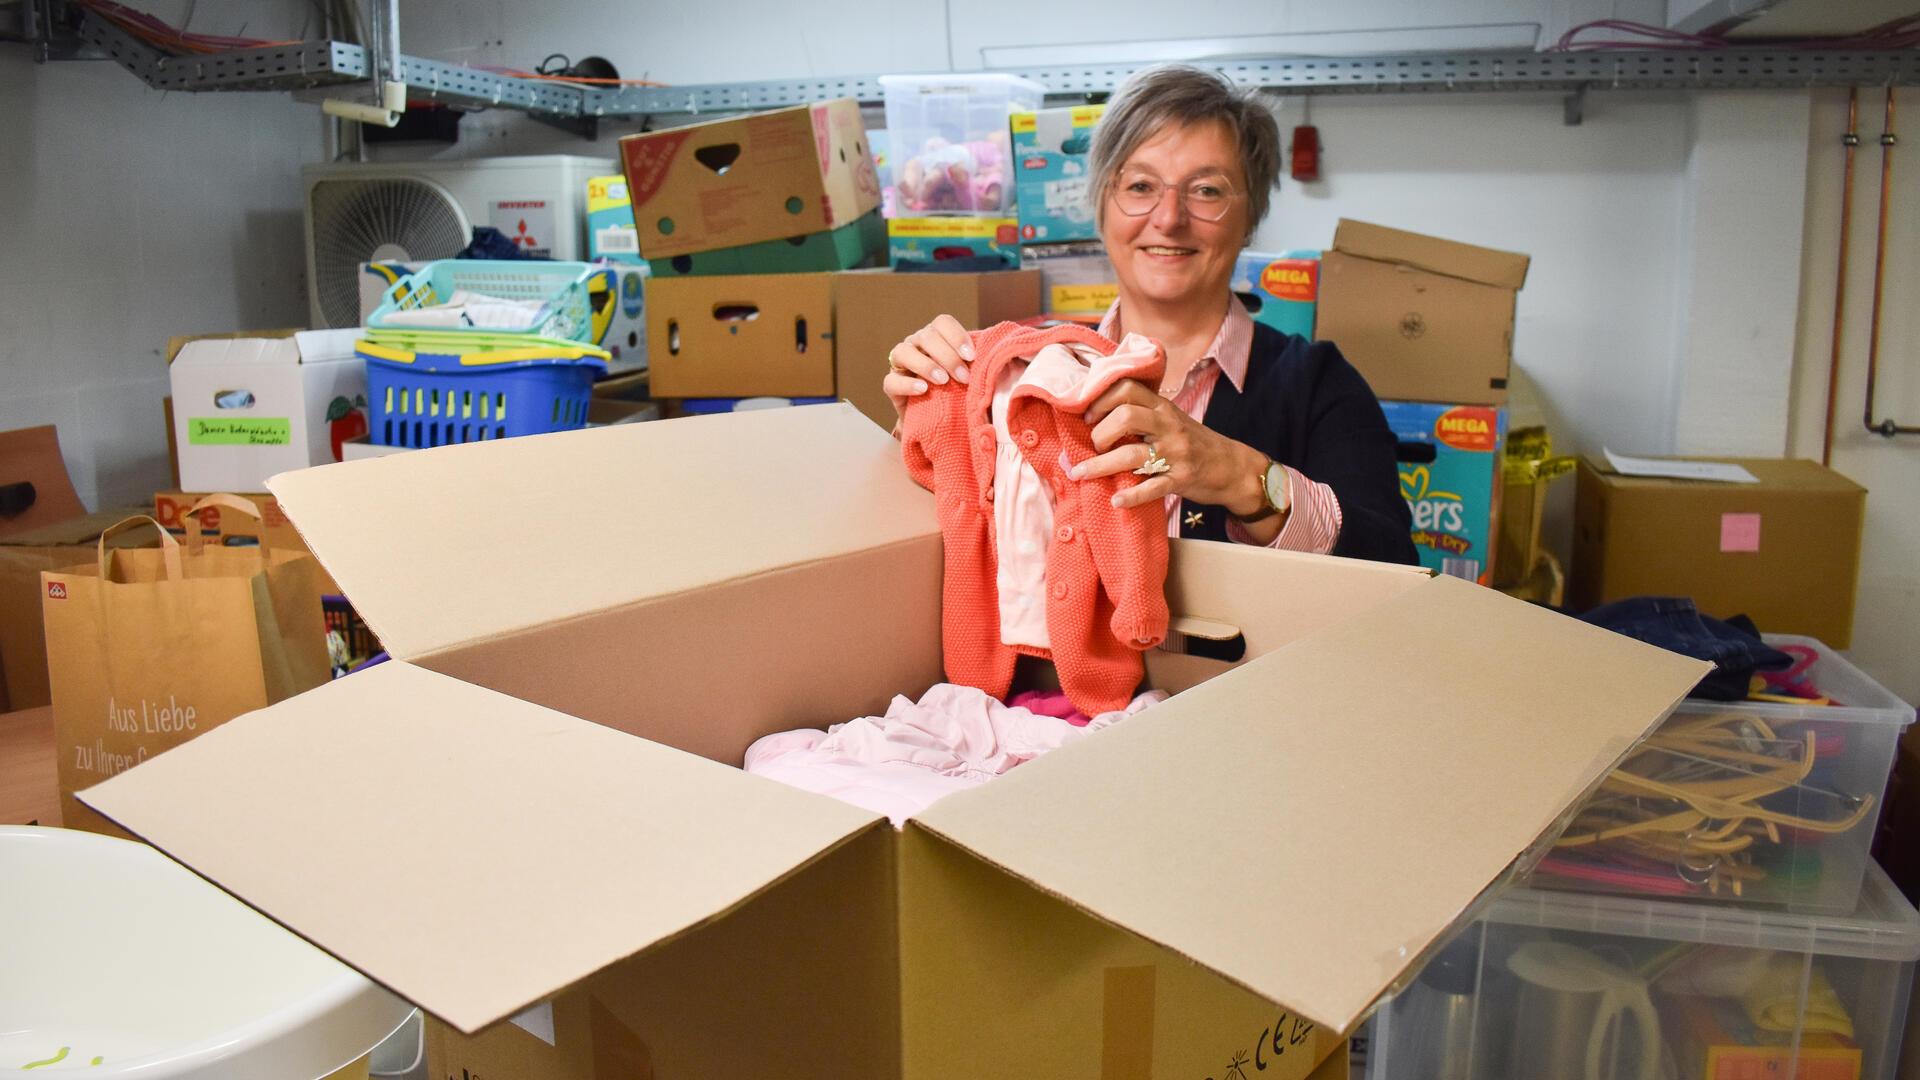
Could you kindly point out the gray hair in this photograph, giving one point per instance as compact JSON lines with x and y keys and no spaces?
{"x":1180,"y":94}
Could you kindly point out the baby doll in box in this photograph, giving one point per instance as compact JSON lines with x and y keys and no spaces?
{"x":955,"y":176}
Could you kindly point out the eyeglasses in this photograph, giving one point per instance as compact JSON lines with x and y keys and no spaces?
{"x":1207,"y":198}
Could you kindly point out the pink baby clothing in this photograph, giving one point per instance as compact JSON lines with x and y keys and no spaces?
{"x":953,"y":738}
{"x":1054,"y":703}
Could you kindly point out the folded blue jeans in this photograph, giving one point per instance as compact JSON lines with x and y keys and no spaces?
{"x":1674,"y":624}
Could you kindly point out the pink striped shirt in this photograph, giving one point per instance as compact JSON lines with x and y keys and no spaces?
{"x":1313,"y":523}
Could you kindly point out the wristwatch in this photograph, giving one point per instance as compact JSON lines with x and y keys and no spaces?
{"x":1276,"y":488}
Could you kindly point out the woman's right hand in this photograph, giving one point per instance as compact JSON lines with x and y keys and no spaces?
{"x":933,"y":354}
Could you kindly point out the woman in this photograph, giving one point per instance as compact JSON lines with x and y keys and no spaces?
{"x":1253,"y":435}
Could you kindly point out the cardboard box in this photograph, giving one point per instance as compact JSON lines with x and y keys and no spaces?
{"x":51,"y":531}
{"x":1423,"y":319}
{"x":1450,"y":477}
{"x":625,"y":334}
{"x":273,"y":529}
{"x":246,"y":408}
{"x":931,"y":239}
{"x":1051,"y":183}
{"x":1216,"y":881}
{"x":741,"y":336}
{"x":874,"y":310}
{"x":610,"y":231}
{"x":1785,"y":551}
{"x":767,"y":176}
{"x":23,"y":556}
{"x":859,"y":243}
{"x":1075,"y":279}
{"x":1281,"y":289}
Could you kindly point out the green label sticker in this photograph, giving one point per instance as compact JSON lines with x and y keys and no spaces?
{"x":239,"y":431}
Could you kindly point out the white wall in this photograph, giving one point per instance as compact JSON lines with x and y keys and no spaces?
{"x":1886,"y":627}
{"x":131,"y":216}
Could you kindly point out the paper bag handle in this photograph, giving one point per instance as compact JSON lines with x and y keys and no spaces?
{"x":197,"y":542}
{"x":169,"y":547}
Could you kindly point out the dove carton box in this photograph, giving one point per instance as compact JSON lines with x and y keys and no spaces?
{"x":579,"y":880}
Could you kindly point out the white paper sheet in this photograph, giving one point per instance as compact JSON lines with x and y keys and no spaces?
{"x":1680,"y":470}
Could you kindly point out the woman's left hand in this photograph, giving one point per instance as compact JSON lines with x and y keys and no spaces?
{"x":1205,"y":466}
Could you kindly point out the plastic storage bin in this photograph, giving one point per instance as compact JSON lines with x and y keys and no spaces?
{"x":122,"y":963}
{"x":948,"y":143}
{"x":1768,"y":803}
{"x":1575,"y":987}
{"x":422,"y":400}
{"x":577,"y":300}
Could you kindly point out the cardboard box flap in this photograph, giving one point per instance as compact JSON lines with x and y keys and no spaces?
{"x":302,"y":347}
{"x":82,"y":530}
{"x":1503,"y":268}
{"x":590,"y":520}
{"x":32,"y":456}
{"x":1307,"y":824}
{"x":469,"y":851}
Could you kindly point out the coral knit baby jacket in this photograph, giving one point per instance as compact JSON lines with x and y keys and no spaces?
{"x":1106,"y":567}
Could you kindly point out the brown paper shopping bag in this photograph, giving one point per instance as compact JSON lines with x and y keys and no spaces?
{"x":149,"y":647}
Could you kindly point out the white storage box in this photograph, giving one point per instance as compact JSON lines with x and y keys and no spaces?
{"x":247,"y":408}
{"x":1561,"y":985}
{"x":1806,"y":847}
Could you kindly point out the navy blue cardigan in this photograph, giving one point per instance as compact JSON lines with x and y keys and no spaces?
{"x":1303,"y":405}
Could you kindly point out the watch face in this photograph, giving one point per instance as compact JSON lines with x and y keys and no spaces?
{"x":1276,"y":482}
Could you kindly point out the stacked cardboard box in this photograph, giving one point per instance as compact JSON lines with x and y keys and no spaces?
{"x":1430,"y":321}
{"x":741,"y":222}
{"x":1784,"y":550}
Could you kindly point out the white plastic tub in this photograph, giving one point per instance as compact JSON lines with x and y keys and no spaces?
{"x":117,"y":961}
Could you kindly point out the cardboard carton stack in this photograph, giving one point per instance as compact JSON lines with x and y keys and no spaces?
{"x":742,"y":223}
{"x":1429,"y":323}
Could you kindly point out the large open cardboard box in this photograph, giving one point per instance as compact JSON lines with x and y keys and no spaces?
{"x":540,"y":796}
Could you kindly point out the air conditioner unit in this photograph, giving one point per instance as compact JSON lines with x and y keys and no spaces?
{"x":362,"y":212}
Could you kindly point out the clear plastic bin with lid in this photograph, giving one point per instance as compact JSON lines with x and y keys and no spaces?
{"x":948,"y":142}
{"x":1770,"y":801}
{"x":1581,"y":987}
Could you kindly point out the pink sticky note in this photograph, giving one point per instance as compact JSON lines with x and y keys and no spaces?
{"x":1739,"y":532}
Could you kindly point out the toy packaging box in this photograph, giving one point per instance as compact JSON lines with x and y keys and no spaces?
{"x":1052,"y":186}
{"x":610,"y":230}
{"x":1449,"y":475}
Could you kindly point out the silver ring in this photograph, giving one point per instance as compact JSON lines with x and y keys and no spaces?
{"x":1155,"y":464}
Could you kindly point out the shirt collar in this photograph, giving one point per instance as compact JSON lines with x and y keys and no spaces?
{"x":1231,"y":348}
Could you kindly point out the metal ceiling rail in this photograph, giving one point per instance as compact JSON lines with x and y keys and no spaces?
{"x":320,"y":63}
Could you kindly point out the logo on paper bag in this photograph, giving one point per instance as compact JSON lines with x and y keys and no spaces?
{"x":1291,"y":279}
{"x":648,"y":162}
{"x":1468,"y":428}
{"x":56,"y":590}
{"x":1413,"y":325}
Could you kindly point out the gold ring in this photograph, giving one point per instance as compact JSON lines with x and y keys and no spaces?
{"x":1155,"y":464}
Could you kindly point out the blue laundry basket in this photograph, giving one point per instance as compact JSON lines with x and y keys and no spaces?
{"x":421,"y":399}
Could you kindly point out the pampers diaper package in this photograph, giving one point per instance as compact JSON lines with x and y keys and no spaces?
{"x":1450,"y":476}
